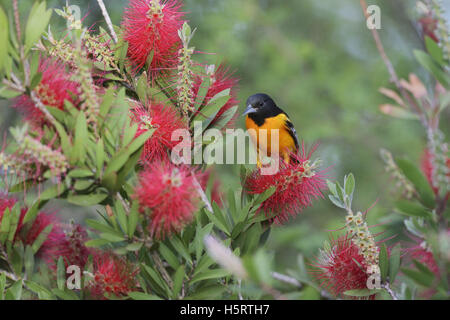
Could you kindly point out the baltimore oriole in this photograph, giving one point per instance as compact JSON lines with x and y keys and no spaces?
{"x":263,"y":113}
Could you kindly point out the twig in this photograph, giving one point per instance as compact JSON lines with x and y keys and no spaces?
{"x":201,"y":193}
{"x":108,"y":20}
{"x":390,"y":291}
{"x":390,"y":67}
{"x":162,"y":269}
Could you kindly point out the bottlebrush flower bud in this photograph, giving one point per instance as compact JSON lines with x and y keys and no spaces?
{"x":152,"y":26}
{"x":166,"y":194}
{"x":164,"y":120}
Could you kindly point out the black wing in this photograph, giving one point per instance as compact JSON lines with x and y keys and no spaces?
{"x":292,"y":131}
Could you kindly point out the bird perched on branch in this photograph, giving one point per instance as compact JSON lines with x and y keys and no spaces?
{"x":263,"y":113}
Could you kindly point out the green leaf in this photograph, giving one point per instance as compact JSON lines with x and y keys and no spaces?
{"x":88,"y":199}
{"x":141,"y":88}
{"x":65,"y":294}
{"x":143,"y":296}
{"x":52,"y":192}
{"x":120,"y":159}
{"x":80,"y":173}
{"x":29,"y":261}
{"x":15,"y":216}
{"x":41,"y":238}
{"x":121,"y":215}
{"x":4,"y":38}
{"x":100,"y":157}
{"x":41,"y":291}
{"x":35,"y":80}
{"x":95,"y":243}
{"x":78,"y":153}
{"x":178,"y":281}
{"x":181,"y":248}
{"x":434,"y":50}
{"x":412,"y":209}
{"x":361,"y":292}
{"x":168,"y":255}
{"x":111,"y":237}
{"x":420,"y":278}
{"x":332,"y":187}
{"x":15,"y":291}
{"x":394,"y":263}
{"x":210,"y":274}
{"x":428,"y":63}
{"x":97,"y":225}
{"x":214,"y":105}
{"x":418,"y":180}
{"x":37,"y":23}
{"x":133,"y":218}
{"x":61,"y":273}
{"x":4,"y":226}
{"x":349,"y":185}
{"x":384,"y":262}
{"x":2,"y":283}
{"x":202,"y":91}
{"x":336,"y":201}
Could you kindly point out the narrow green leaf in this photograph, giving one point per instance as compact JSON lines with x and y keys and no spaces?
{"x":143,"y":296}
{"x":61,"y":273}
{"x":88,"y":199}
{"x":394,"y":263}
{"x":41,"y":238}
{"x":15,"y":291}
{"x":412,"y":209}
{"x":384,"y":262}
{"x":421,"y":184}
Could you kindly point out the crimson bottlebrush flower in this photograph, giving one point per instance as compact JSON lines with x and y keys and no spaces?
{"x":164,"y":120}
{"x":55,"y":87}
{"x":424,"y":255}
{"x":341,"y":267}
{"x":167,"y":193}
{"x":221,"y":80}
{"x":297,"y":184}
{"x":111,"y":275}
{"x":42,"y":221}
{"x":151,"y":28}
{"x":71,"y":247}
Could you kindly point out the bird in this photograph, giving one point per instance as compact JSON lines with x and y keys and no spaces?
{"x":263,"y":113}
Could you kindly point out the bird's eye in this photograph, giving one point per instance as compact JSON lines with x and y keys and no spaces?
{"x":261,"y":104}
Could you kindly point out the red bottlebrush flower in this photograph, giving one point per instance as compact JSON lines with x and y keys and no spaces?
{"x":169,"y":194}
{"x":297,"y":184}
{"x":42,"y":220}
{"x":422,"y":254}
{"x":54,"y":88}
{"x":341,"y":267}
{"x":111,"y":275}
{"x":71,"y":248}
{"x":220,"y":80}
{"x":164,"y":120}
{"x":152,"y":26}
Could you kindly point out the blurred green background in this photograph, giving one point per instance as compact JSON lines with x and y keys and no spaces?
{"x":318,"y":61}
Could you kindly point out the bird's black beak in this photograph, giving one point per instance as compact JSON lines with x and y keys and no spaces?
{"x":249,"y":109}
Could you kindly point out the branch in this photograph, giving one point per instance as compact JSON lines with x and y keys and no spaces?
{"x":390,"y":67}
{"x":108,"y":20}
{"x":201,"y":193}
{"x":286,"y":279}
{"x":390,"y":291}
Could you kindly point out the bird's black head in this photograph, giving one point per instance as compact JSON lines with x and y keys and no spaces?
{"x":260,"y":106}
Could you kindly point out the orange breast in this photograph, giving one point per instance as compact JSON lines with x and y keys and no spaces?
{"x":263,"y":139}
